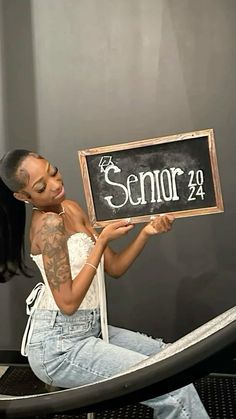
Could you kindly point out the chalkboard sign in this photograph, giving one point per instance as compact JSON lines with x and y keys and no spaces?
{"x":176,"y":174}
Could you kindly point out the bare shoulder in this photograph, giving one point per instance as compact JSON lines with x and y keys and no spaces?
{"x":51,"y":221}
{"x":48,"y":231}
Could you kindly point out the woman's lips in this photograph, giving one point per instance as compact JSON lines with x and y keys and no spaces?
{"x":60,"y":194}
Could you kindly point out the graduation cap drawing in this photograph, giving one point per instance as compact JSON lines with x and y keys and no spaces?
{"x":105,"y":162}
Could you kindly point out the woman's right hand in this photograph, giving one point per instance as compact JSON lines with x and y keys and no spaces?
{"x":115,"y":230}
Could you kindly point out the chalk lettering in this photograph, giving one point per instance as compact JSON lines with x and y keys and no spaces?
{"x":154,"y":186}
{"x":196,"y":185}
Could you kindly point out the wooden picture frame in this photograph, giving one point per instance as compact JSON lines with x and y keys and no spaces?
{"x":175,"y":174}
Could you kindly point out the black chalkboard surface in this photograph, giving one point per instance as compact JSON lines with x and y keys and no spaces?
{"x":176,"y":174}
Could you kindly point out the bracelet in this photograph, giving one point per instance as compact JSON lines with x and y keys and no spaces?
{"x":90,"y":264}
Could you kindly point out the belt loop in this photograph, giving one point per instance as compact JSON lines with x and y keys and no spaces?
{"x":53,"y":318}
{"x":94,"y":318}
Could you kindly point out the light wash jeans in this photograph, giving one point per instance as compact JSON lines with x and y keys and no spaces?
{"x":66,"y":351}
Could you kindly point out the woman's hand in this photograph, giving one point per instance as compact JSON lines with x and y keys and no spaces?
{"x":115,"y":230}
{"x":159,"y":224}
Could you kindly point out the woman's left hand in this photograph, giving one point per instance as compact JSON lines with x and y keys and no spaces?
{"x":159,"y":224}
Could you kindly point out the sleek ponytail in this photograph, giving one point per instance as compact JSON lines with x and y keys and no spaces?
{"x":12,"y":217}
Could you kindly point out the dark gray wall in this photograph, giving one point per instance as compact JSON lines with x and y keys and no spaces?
{"x":97,"y":73}
{"x":18,"y":129}
{"x":2,"y":124}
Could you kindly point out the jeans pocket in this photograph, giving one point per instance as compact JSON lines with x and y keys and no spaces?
{"x":36,"y":360}
{"x":36,"y":351}
{"x":75,"y":333}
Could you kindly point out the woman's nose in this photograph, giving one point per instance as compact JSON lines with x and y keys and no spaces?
{"x":55,"y":185}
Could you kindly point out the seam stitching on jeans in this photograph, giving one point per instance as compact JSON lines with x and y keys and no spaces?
{"x":86,"y":369}
{"x":181,"y":404}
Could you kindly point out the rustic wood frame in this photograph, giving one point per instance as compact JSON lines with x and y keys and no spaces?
{"x":143,"y":143}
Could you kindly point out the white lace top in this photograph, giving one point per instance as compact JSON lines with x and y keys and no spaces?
{"x":79,"y":246}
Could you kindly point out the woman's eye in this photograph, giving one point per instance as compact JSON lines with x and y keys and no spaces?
{"x":41,"y":189}
{"x":54,"y":171}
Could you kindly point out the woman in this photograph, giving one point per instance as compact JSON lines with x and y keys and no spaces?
{"x":67,"y":343}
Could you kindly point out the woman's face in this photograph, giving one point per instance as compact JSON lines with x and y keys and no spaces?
{"x":44,"y":184}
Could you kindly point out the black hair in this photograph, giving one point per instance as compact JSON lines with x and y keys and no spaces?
{"x":12,"y":215}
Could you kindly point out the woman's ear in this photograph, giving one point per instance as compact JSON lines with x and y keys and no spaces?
{"x":20,"y":196}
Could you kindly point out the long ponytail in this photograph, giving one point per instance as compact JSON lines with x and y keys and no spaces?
{"x":12,"y":225}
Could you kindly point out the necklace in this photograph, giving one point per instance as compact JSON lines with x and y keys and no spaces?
{"x":60,"y":213}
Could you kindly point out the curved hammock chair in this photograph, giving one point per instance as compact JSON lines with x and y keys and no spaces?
{"x":196,"y":354}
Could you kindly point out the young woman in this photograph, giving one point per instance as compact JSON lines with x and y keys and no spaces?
{"x":68,"y":341}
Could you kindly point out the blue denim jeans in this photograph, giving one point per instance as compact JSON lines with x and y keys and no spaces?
{"x":67,"y":351}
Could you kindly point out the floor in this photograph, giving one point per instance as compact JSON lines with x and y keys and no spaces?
{"x":2,"y":370}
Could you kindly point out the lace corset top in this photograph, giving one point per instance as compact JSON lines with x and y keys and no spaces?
{"x":79,"y":246}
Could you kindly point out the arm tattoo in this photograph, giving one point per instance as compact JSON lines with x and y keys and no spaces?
{"x":55,"y":254}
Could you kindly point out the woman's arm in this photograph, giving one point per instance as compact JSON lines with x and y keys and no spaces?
{"x":52,"y":242}
{"x":116,"y":264}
